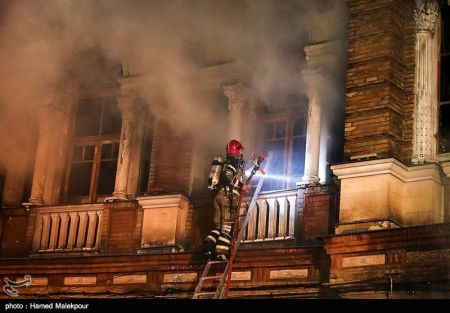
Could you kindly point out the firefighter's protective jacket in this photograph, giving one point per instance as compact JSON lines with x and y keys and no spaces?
{"x":232,"y":175}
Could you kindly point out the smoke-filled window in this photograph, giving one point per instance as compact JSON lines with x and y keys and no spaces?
{"x":97,"y":116}
{"x":286,"y":138}
{"x":444,"y":101}
{"x":95,"y":148}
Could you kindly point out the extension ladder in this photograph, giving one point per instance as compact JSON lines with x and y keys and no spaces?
{"x":225,"y":278}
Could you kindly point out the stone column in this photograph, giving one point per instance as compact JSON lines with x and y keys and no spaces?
{"x":425,"y":85}
{"x":42,"y":156}
{"x":126,"y":105}
{"x":139,"y":129}
{"x":49,"y":167}
{"x":56,"y":168}
{"x":237,"y":95}
{"x":312,"y":151}
{"x":250,"y":125}
{"x":322,"y":59}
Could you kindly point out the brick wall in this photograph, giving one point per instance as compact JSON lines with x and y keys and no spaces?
{"x":171,"y":161}
{"x":408,"y":106}
{"x":13,"y":233}
{"x":316,"y":212}
{"x":409,"y":256}
{"x":121,"y":227}
{"x":271,"y":272}
{"x":347,"y":266}
{"x":379,"y":81}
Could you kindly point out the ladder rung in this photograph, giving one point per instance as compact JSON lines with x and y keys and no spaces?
{"x":217,"y":262}
{"x":211,"y":277}
{"x":199,"y":294}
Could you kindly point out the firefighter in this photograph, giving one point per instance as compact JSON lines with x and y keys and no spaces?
{"x":229,"y":185}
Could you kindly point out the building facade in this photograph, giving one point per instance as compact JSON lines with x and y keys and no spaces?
{"x":113,"y":197}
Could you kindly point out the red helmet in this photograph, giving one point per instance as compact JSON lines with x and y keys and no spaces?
{"x":235,"y":147}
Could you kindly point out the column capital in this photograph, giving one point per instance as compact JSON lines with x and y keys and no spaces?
{"x":128,"y":107}
{"x":239,"y":97}
{"x":426,"y":14}
{"x":125,"y":103}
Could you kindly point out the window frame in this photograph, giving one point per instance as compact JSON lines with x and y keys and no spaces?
{"x":290,"y":117}
{"x":95,"y":140}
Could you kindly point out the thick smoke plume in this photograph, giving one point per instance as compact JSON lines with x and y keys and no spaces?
{"x":44,"y":46}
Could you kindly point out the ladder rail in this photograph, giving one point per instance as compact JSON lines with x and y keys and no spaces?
{"x":200,"y":281}
{"x":204,"y":276}
{"x":222,"y":289}
{"x":236,"y":242}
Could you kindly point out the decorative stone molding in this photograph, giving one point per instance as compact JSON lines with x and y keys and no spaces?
{"x":446,"y":167}
{"x":130,"y":279}
{"x":387,"y":166}
{"x":426,"y":14}
{"x":320,"y":53}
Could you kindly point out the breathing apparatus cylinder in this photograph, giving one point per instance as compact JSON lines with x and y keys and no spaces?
{"x":216,"y":170}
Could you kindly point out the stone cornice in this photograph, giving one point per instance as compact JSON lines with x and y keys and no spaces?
{"x":388,"y":166}
{"x":446,"y":166}
{"x":316,"y":53}
{"x":69,"y":208}
{"x":166,"y":201}
{"x":215,"y":76}
{"x":207,"y":78}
